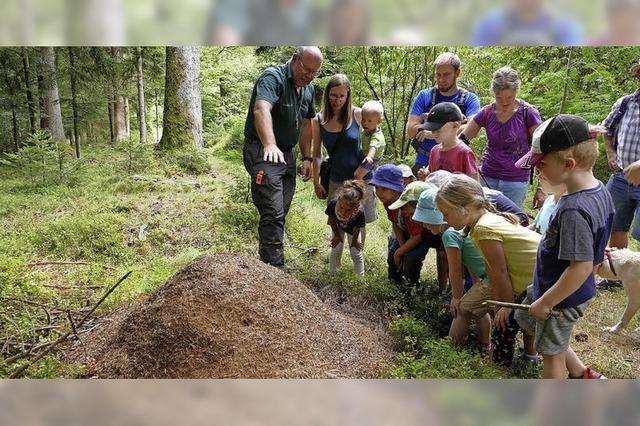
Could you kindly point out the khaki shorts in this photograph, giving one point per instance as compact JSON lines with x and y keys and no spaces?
{"x":369,"y":202}
{"x":473,"y":299}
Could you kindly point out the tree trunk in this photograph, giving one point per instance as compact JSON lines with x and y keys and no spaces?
{"x":157,"y":117}
{"x":27,"y":83}
{"x":182,"y":121}
{"x":51,"y":97}
{"x":120,"y":118}
{"x":14,"y":121}
{"x":142,"y":122}
{"x":566,"y":82}
{"x":74,"y":103}
{"x":127,"y":116}
{"x":44,"y":122}
{"x":111,"y":124}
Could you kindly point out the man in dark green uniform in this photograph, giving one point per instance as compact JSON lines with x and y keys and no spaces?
{"x":279,"y":117}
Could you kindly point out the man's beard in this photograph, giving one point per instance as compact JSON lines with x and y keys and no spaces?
{"x":446,"y":89}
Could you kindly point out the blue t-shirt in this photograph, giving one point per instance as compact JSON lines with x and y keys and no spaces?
{"x":356,"y":222}
{"x":502,"y":27}
{"x":544,"y":215}
{"x":579,"y":230}
{"x":347,"y":155}
{"x":421,"y":105}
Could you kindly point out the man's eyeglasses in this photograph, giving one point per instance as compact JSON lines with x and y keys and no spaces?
{"x":307,"y":70}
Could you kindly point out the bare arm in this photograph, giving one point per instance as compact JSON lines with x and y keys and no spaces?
{"x":472,"y":129}
{"x":501,"y":286}
{"x":264,"y":127}
{"x":305,"y":138}
{"x":612,"y":155}
{"x":411,"y":129}
{"x":398,"y":233}
{"x":456,"y":275}
{"x":317,"y":153}
{"x":335,"y":238}
{"x":571,"y":279}
{"x":305,"y":149}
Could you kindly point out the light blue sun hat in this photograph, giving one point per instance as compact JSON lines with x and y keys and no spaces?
{"x":426,"y":210}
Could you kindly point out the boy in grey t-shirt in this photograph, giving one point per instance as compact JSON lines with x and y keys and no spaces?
{"x":564,"y":150}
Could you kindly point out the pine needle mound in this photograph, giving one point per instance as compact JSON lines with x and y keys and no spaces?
{"x":231,"y":316}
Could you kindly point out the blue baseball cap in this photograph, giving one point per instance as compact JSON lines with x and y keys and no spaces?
{"x":388,"y":176}
{"x":426,"y":210}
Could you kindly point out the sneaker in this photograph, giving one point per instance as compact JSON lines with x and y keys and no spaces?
{"x":606,"y":284}
{"x":522,"y":359}
{"x":589,"y":374}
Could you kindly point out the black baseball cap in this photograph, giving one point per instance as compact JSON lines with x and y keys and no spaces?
{"x":559,"y":132}
{"x":441,"y":114}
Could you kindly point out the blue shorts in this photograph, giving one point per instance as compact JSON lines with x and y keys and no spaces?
{"x":626,"y":198}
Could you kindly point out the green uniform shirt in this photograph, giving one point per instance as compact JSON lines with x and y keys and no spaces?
{"x":276,"y":86}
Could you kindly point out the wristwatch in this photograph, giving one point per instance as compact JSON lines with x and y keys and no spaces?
{"x":307,"y":159}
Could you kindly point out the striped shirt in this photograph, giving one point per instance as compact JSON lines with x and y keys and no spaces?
{"x":628,"y":149}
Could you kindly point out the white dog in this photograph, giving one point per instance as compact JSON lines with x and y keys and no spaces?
{"x":624,"y":265}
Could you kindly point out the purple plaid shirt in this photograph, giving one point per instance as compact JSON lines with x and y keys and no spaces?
{"x":628,"y":149}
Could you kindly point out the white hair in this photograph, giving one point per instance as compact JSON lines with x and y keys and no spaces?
{"x":505,"y":78}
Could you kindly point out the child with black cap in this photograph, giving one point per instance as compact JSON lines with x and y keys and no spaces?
{"x":564,"y":149}
{"x":451,"y":154}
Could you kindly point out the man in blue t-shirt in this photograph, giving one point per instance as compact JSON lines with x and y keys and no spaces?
{"x":446,"y":90}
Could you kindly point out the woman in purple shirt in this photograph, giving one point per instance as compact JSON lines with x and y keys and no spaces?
{"x":509,"y":123}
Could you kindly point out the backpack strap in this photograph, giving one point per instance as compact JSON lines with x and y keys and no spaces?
{"x":462,"y":99}
{"x":434,"y":96}
{"x":615,"y":123}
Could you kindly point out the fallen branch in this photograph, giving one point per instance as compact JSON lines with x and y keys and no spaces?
{"x":71,"y":287}
{"x":48,"y":347}
{"x":64,"y":262}
{"x":175,"y":182}
{"x":517,"y":306}
{"x":310,"y":250}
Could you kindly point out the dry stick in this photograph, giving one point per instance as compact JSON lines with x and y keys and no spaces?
{"x":518,"y":306}
{"x":63,"y":262}
{"x":50,"y":346}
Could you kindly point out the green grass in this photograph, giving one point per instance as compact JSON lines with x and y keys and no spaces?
{"x":97,"y":222}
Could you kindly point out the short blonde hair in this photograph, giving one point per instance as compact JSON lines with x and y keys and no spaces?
{"x":373,"y":107}
{"x":585,"y":154}
{"x":448,"y":58}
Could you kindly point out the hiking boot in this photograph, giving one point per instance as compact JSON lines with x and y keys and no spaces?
{"x":589,"y":374}
{"x":606,"y":284}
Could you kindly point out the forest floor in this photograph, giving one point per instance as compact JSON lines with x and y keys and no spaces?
{"x":156,"y":218}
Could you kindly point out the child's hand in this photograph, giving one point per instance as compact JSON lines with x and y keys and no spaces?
{"x":335,"y":241}
{"x":423,"y":173}
{"x":454,"y":307}
{"x":501,"y":319}
{"x":357,"y":244}
{"x":368,"y":159}
{"x":540,"y":310}
{"x":397,"y":259}
{"x":320,"y":191}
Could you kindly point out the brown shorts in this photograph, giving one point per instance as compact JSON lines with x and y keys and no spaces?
{"x":473,"y":299}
